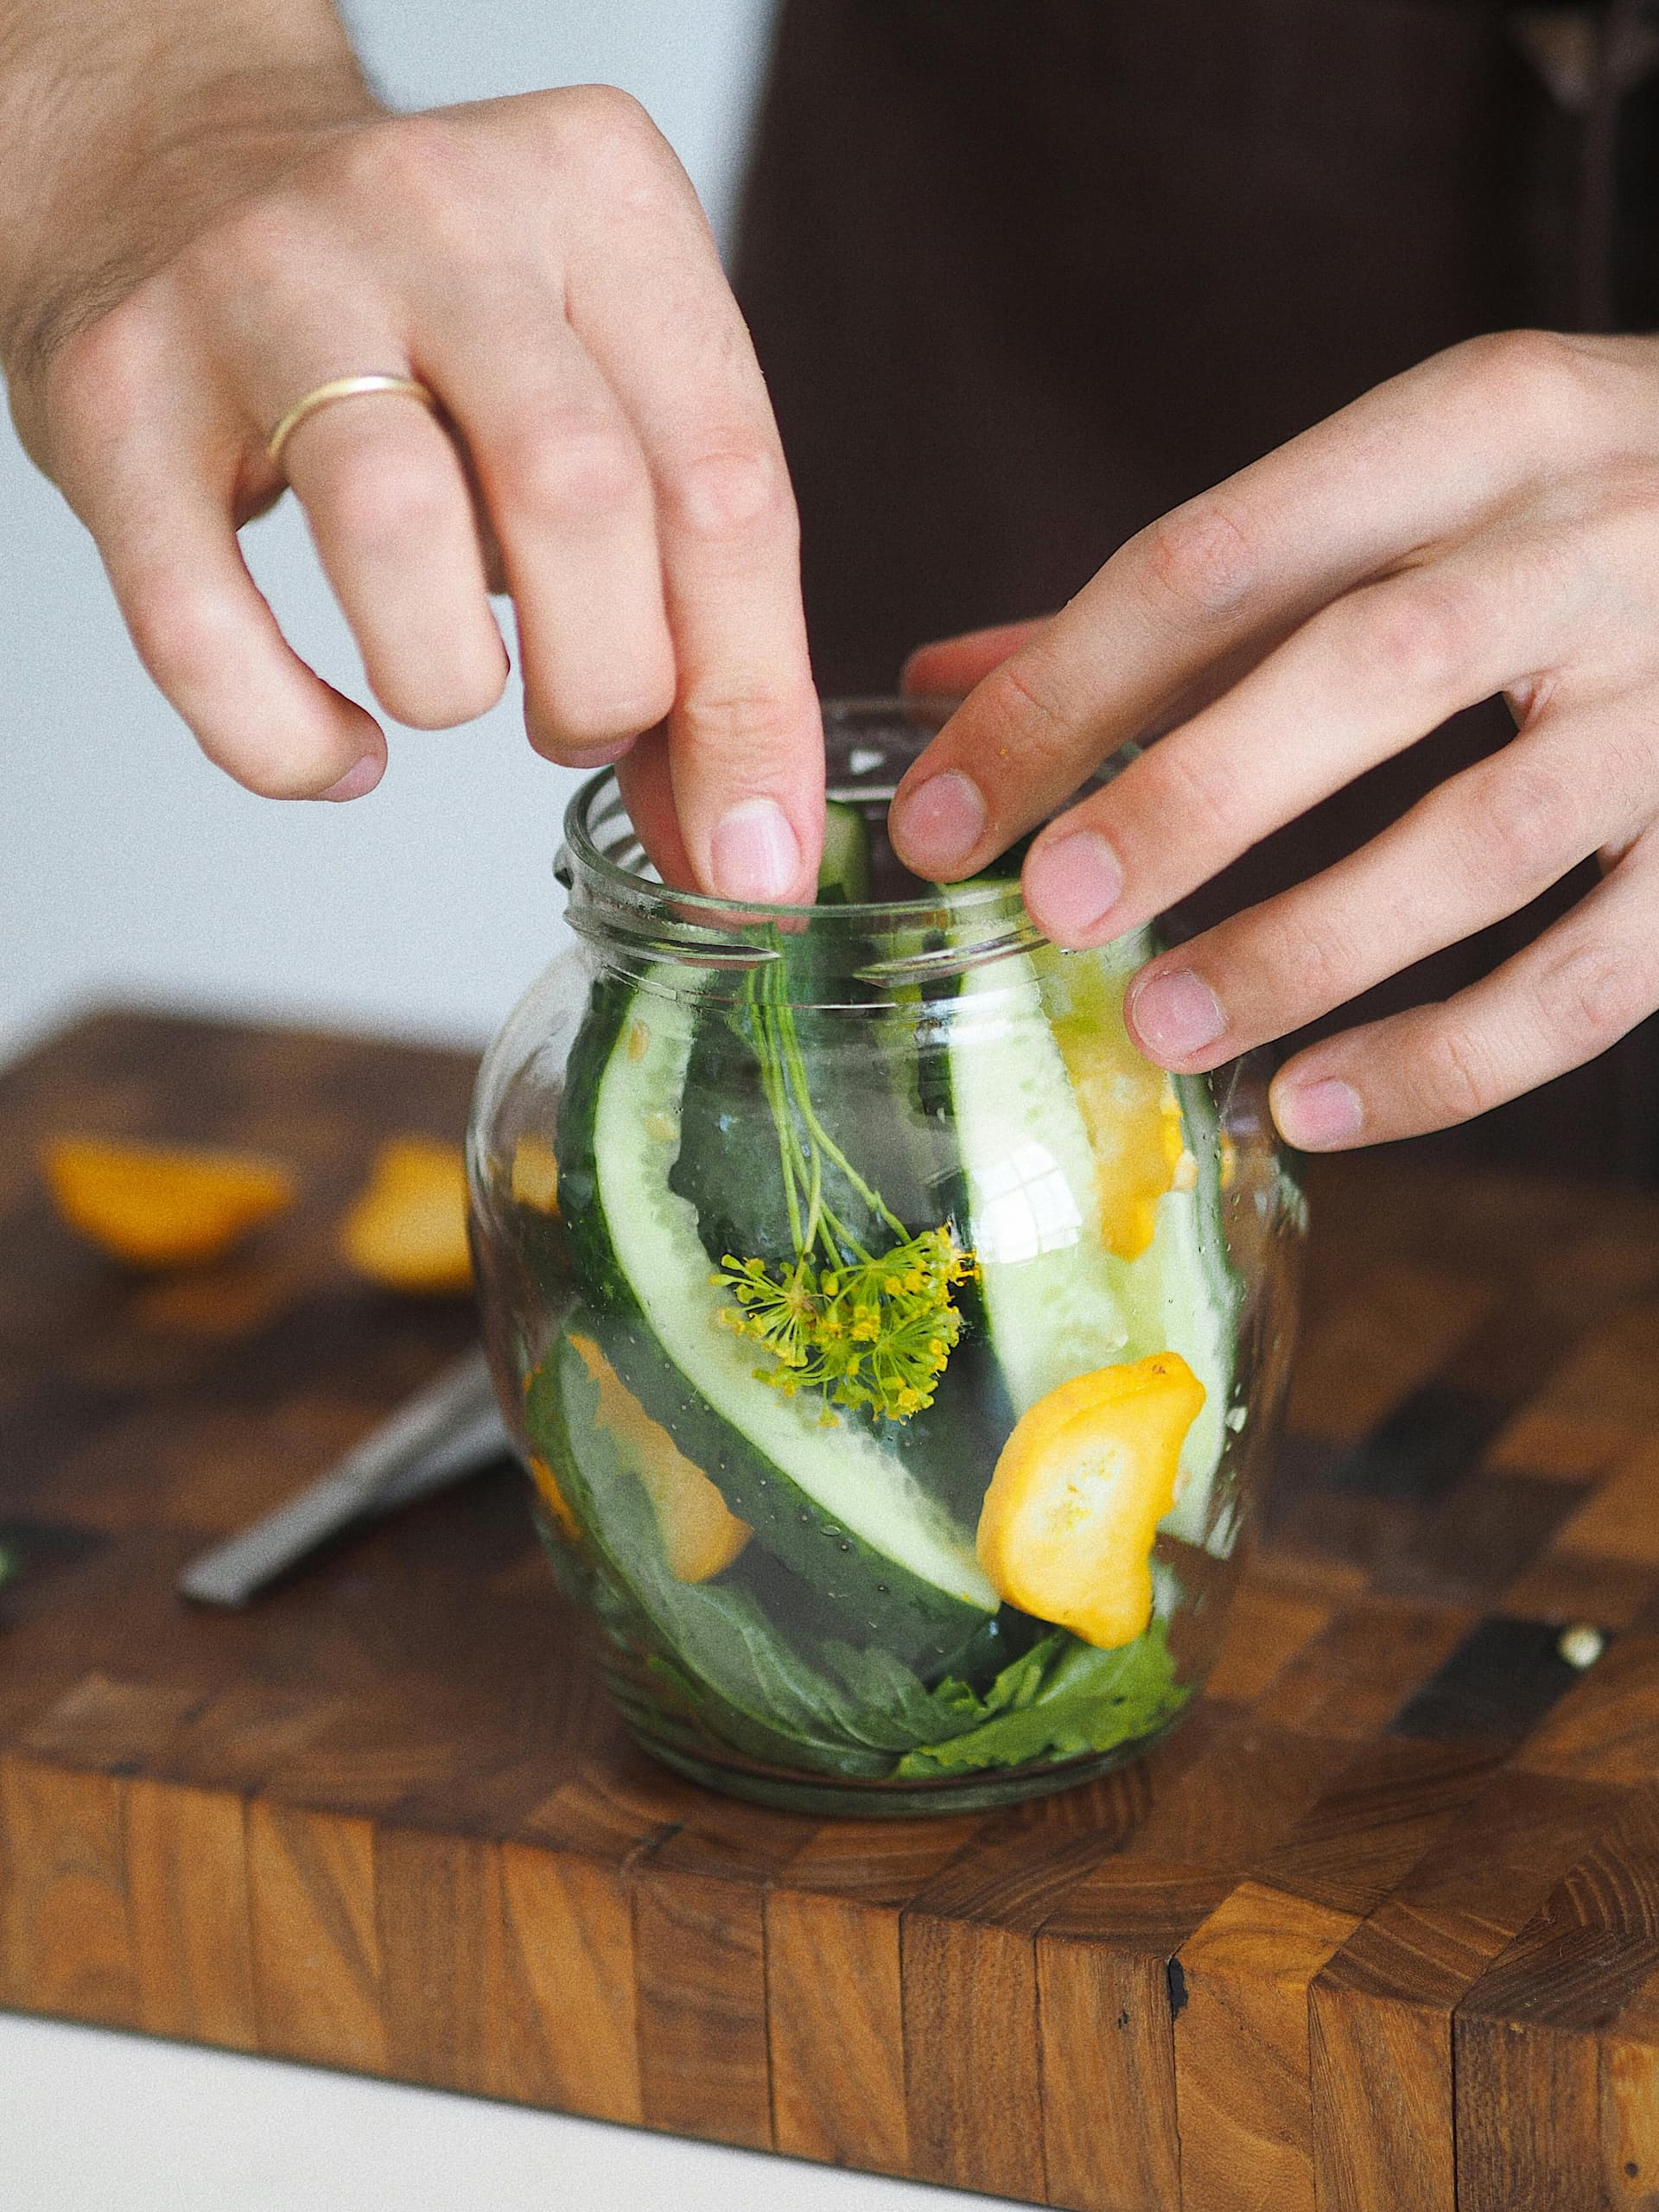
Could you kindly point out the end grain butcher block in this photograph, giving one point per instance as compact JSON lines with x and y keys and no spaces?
{"x":1378,"y":1927}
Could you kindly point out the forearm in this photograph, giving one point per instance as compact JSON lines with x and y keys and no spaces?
{"x":124,"y":123}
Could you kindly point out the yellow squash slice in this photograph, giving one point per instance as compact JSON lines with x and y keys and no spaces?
{"x":1067,"y":1526}
{"x":535,"y":1175}
{"x":1130,"y":1110}
{"x":700,"y":1533}
{"x":157,"y":1206}
{"x":554,"y":1498}
{"x":408,"y":1229}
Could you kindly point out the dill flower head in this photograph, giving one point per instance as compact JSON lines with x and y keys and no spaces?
{"x":875,"y":1333}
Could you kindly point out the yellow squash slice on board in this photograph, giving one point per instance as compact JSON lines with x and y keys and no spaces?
{"x":162,"y":1206}
{"x":1067,"y":1526}
{"x":408,"y":1229}
{"x":700,"y":1533}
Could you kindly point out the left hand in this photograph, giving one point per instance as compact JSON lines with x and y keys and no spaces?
{"x":1487,"y":523}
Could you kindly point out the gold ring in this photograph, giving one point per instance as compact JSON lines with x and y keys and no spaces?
{"x":342,"y":388}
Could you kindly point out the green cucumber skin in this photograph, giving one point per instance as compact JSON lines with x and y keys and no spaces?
{"x":863,"y":1097}
{"x":873,"y":1599}
{"x":796,"y":1708}
{"x":725,"y":1119}
{"x":880,"y":1600}
{"x":619,"y":1595}
{"x":844,"y":870}
{"x":1182,"y":1290}
{"x":593,"y":1255}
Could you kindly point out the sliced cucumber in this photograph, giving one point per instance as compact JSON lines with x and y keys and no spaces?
{"x":844,"y":871}
{"x":835,"y":1506}
{"x":711,"y":1643}
{"x":1180,"y":1293}
{"x":1056,"y":1300}
{"x":1026,"y":1179}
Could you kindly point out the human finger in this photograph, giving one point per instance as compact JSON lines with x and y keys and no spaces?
{"x":569,"y":495}
{"x":1475,"y":849}
{"x":206,"y":634}
{"x":1367,"y":676}
{"x":152,"y":454}
{"x":947,"y":667}
{"x":1410,"y":466}
{"x":1567,"y":997}
{"x":746,"y":737}
{"x":393,"y":522}
{"x":645,"y":776}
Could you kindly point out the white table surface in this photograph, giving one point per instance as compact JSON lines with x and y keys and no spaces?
{"x":95,"y":2122}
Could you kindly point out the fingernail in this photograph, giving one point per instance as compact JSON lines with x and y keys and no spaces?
{"x":599,"y":756}
{"x":1072,"y":884}
{"x":755,"y":853}
{"x":1314,"y":1116}
{"x":1175,"y":1013}
{"x":358,"y":781}
{"x":937,"y":825}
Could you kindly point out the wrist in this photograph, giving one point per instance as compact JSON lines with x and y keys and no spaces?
{"x":114,"y":155}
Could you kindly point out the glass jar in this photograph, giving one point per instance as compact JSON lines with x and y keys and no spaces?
{"x":896,"y":1353}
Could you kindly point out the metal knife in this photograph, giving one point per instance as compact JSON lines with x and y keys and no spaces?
{"x":449,"y":1430}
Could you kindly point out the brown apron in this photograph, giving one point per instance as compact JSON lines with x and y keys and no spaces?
{"x":1023,"y":274}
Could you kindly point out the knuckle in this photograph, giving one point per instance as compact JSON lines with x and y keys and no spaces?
{"x":401,"y":161}
{"x":1196,"y":785}
{"x":1540,"y":377}
{"x":1590,"y":996}
{"x":609,"y":149}
{"x":1422,"y":636}
{"x":731,"y":495}
{"x":259,"y":250}
{"x":103,"y":372}
{"x":1200,"y":557}
{"x":1029,"y":718}
{"x":751,"y":724}
{"x":1526,"y":820}
{"x":609,"y":135}
{"x":1457,"y":1078}
{"x":1311,"y":961}
{"x":574,"y":473}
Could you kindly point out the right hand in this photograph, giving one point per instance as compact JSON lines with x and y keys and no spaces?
{"x":541,"y":264}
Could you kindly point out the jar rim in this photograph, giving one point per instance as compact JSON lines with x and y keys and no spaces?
{"x":989,"y":898}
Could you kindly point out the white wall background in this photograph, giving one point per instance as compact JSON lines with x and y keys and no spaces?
{"x":128,"y":867}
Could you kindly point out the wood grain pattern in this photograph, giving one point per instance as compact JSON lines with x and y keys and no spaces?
{"x":1112,"y":2128}
{"x":841,"y":1896}
{"x":1383,"y":2006}
{"x":316,"y":1946}
{"x":1529,"y":2030}
{"x":1241,"y":2066}
{"x":1375,"y":1930}
{"x":185,"y":1866}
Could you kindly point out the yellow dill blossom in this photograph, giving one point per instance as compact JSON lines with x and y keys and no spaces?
{"x":865,"y":1330}
{"x":875,"y":1334}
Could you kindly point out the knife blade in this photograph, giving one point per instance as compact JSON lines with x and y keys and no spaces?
{"x":450,"y":1429}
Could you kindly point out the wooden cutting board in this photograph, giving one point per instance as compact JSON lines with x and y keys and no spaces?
{"x":1378,"y":1927}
